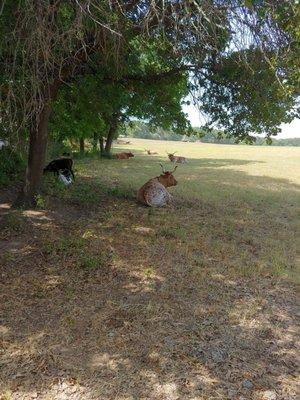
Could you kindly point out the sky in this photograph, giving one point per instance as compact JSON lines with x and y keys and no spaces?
{"x":291,"y":130}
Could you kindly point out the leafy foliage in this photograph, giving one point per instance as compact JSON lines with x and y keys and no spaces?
{"x":242,"y":57}
{"x":90,"y":105}
{"x":76,"y":112}
{"x":247,"y":99}
{"x":11,"y":164}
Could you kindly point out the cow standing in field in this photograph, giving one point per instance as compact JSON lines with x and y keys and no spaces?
{"x":176,"y":159}
{"x":154,"y":192}
{"x":61,"y":164}
{"x":124,"y":156}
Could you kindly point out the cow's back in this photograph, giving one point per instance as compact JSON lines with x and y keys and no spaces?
{"x":61,"y":163}
{"x":122,"y":156}
{"x":153,"y":194}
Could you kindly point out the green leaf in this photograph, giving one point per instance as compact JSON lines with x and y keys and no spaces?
{"x":248,"y":3}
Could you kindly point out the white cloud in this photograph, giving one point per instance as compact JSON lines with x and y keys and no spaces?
{"x":291,"y":130}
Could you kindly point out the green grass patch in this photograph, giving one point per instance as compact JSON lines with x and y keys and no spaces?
{"x":12,"y":222}
{"x":65,"y":246}
{"x":92,"y":262}
{"x":172,"y":233}
{"x":233,"y":204}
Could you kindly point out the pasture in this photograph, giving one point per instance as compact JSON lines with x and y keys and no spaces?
{"x":102,"y":298}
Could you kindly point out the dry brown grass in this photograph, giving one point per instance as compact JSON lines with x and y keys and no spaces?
{"x":104,"y":299}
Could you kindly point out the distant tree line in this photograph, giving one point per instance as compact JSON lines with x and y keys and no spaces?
{"x":144,"y":130}
{"x":280,"y":142}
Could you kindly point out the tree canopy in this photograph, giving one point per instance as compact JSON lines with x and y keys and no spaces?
{"x":241,"y":57}
{"x":90,"y":106}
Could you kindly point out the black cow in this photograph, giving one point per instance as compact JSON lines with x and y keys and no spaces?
{"x":60,"y":164}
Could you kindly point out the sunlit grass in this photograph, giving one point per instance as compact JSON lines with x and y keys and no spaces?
{"x":238,"y":204}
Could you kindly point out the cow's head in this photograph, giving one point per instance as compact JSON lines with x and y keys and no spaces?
{"x":171,"y":156}
{"x":48,"y":168}
{"x":129,"y":154}
{"x":167,"y":178}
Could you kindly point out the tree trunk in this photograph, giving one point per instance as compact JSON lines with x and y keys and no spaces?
{"x":38,"y":136}
{"x":81,"y":146}
{"x":109,"y":140}
{"x":111,"y":133}
{"x":22,"y":143}
{"x":95,"y":142}
{"x":101,"y":144}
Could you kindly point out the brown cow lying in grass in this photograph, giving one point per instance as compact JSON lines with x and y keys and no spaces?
{"x":124,"y":156}
{"x":154,"y":192}
{"x":123,"y":142}
{"x":177,"y":159}
{"x":150,"y":153}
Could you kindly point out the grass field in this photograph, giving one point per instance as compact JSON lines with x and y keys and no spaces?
{"x":102,"y":298}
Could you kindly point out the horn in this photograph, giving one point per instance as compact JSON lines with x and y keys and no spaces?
{"x":162,"y":167}
{"x":174,"y":169}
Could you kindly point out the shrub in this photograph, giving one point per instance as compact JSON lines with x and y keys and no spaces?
{"x":11,"y":164}
{"x":56,"y":149}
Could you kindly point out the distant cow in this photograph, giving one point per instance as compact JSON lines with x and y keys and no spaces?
{"x":154,"y":192}
{"x":176,"y":159}
{"x":60,"y":164}
{"x":124,"y":156}
{"x":150,"y":153}
{"x":122,"y":142}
